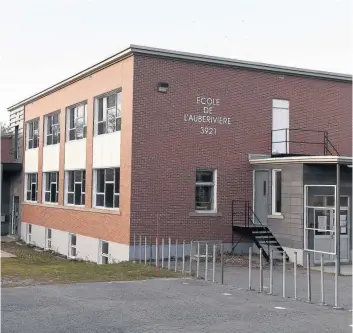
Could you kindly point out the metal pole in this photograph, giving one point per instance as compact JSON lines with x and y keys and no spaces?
{"x":295,"y":274}
{"x":222,"y":265}
{"x":169,"y":247}
{"x":145,"y":250}
{"x":336,"y":283}
{"x":140,"y":249}
{"x":151,"y":250}
{"x":322,"y":279}
{"x":157,"y":255}
{"x":162,"y":253}
{"x":183,"y":266}
{"x":261,"y":273}
{"x":190,"y":257}
{"x":176,"y":254}
{"x":198,"y":260}
{"x":271,"y":272}
{"x":284,"y":275}
{"x":250,"y":259}
{"x":214,"y":263}
{"x":134,"y":255}
{"x":337,"y":220}
{"x":206,"y":263}
{"x":308,"y":276}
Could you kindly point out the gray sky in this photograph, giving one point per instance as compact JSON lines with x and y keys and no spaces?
{"x":45,"y":41}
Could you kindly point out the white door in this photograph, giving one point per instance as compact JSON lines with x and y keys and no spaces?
{"x":280,"y":126}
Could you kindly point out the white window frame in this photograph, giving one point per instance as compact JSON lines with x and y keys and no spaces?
{"x":214,"y":184}
{"x":101,"y":254}
{"x":75,"y":109}
{"x":30,"y":189}
{"x":83,"y":188}
{"x":56,"y":182}
{"x":71,"y":246}
{"x":35,"y":141}
{"x":274,"y":191}
{"x":95,"y":193}
{"x":29,"y":233}
{"x":53,"y":126}
{"x":48,"y":240}
{"x":117,"y":108}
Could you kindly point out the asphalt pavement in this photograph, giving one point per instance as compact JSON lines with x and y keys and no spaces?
{"x":173,"y":305}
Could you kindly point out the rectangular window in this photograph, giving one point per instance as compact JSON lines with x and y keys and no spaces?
{"x":72,"y":247}
{"x":76,"y":122}
{"x":205,"y":192}
{"x":15,"y":152}
{"x":276,"y":191}
{"x":33,"y":134}
{"x":108,"y":113}
{"x":75,"y":187}
{"x":52,"y":129}
{"x":31,"y":187}
{"x":50,"y":186}
{"x":48,"y":234}
{"x":29,"y":233}
{"x":107,"y":188}
{"x":104,"y":252}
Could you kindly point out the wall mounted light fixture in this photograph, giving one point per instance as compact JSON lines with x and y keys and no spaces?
{"x":162,"y":87}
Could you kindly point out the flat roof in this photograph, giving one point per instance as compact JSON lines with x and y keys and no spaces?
{"x":185,"y":56}
{"x":347,"y":160}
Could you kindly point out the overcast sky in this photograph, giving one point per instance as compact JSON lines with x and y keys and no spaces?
{"x":45,"y":41}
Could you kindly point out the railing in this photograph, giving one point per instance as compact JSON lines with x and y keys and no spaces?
{"x":248,"y":219}
{"x":301,"y":137}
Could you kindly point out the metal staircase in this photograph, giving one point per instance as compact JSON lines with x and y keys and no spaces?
{"x":246,"y":223}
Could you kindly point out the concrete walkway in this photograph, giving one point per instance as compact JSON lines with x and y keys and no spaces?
{"x":4,"y":254}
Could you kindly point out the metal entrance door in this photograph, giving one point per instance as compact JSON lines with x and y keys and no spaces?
{"x":261,"y":196}
{"x":15,"y":216}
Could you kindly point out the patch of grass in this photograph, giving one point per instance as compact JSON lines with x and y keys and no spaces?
{"x":33,"y":267}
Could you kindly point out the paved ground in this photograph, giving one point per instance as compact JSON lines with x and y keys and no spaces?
{"x":4,"y":254}
{"x":180,"y":305}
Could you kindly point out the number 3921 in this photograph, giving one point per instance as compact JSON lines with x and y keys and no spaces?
{"x":208,"y":130}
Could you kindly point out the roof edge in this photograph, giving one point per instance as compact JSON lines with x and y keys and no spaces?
{"x":178,"y":55}
{"x":302,"y":160}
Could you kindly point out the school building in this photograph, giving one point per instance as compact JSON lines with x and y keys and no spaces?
{"x":218,"y":149}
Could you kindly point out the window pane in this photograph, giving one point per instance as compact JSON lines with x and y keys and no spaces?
{"x":100,"y":109}
{"x":49,"y":140}
{"x":111,"y":100}
{"x":56,"y":134}
{"x":29,"y":182}
{"x":70,"y":198}
{"x":118,"y":107}
{"x":83,"y":181}
{"x":79,"y":128}
{"x":47,"y":197}
{"x":53,"y":192}
{"x":80,"y":111}
{"x":72,"y":134}
{"x":77,"y":194}
{"x":278,"y":193}
{"x":109,"y":195}
{"x":49,"y":233}
{"x":47,"y":181}
{"x":105,"y":247}
{"x":116,"y":200}
{"x":73,"y":240}
{"x":71,"y":181}
{"x":53,"y":177}
{"x":55,"y":119}
{"x":73,"y":252}
{"x":33,"y":192}
{"x":109,"y":175}
{"x":78,"y":176}
{"x":111,"y":120}
{"x":100,"y":181}
{"x":100,"y":200}
{"x":117,"y":180}
{"x":104,"y":260}
{"x":83,"y":199}
{"x":72,"y":118}
{"x":30,"y":144}
{"x":204,"y":197}
{"x":118,"y":124}
{"x":49,"y":125}
{"x":102,"y":128}
{"x":28,"y":195}
{"x":204,"y":176}
{"x":85,"y":131}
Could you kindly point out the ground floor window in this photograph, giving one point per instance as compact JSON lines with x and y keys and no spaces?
{"x":51,"y":186}
{"x":75,"y":187}
{"x":276,"y":191}
{"x":29,"y":233}
{"x":205,"y":190}
{"x":72,"y":247}
{"x":104,"y":250}
{"x":31,"y":186}
{"x":106,"y":191}
{"x":48,"y":234}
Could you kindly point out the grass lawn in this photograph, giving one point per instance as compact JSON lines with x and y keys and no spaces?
{"x":33,"y":267}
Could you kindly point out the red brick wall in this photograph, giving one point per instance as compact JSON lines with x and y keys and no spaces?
{"x":167,"y":150}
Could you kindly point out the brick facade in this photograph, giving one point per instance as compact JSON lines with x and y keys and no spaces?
{"x":160,"y":151}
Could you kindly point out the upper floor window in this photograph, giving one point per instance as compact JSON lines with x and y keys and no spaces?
{"x":31,"y":186}
{"x":33,"y":134}
{"x":75,"y":187}
{"x":205,"y":190}
{"x":76,"y":122}
{"x":52,"y":129}
{"x":276,"y":191}
{"x":108,"y":113}
{"x":51,"y":186}
{"x":106,"y":189}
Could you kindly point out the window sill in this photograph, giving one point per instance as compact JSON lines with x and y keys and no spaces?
{"x":50,"y":203}
{"x":276,"y":216}
{"x":205,"y":214}
{"x":110,"y":133}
